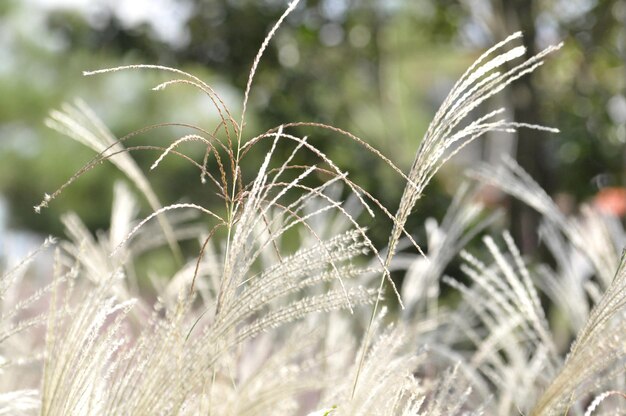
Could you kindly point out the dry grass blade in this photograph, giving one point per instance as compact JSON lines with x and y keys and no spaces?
{"x":18,"y":312}
{"x":598,"y":353}
{"x":588,"y":235}
{"x":255,"y":65}
{"x":81,"y":124}
{"x":8,"y":278}
{"x":480,"y":82}
{"x":462,"y":222}
{"x":477,"y":85}
{"x":503,"y":317}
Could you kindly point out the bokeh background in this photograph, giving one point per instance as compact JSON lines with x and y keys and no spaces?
{"x":378,"y":69}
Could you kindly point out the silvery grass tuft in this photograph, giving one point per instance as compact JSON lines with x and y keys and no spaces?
{"x":250,"y":326}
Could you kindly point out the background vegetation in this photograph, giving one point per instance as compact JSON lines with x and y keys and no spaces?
{"x":377,"y":69}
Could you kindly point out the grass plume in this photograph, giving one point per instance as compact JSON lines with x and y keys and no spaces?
{"x":280,"y":310}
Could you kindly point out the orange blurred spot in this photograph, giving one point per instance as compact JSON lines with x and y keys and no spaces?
{"x":611,"y":200}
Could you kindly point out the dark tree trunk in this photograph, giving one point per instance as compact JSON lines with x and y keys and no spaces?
{"x":532,"y":149}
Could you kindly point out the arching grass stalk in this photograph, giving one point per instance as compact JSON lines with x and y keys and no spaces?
{"x":444,"y":138}
{"x":231,"y":206}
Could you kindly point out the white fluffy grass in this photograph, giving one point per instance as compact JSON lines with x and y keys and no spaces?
{"x":237,"y":330}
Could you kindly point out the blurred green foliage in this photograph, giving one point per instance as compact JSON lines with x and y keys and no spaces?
{"x":377,"y":69}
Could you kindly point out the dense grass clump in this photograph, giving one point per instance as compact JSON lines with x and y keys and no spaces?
{"x":281,"y":310}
